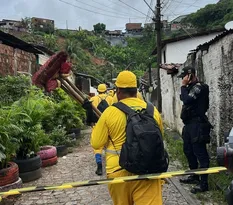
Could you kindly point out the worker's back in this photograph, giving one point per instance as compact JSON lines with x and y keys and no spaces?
{"x":98,"y":98}
{"x":110,"y":131}
{"x":116,"y":125}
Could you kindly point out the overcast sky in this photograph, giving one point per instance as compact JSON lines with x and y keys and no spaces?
{"x":113,"y":13}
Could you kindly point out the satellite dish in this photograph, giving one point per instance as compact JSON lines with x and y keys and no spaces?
{"x":229,"y":25}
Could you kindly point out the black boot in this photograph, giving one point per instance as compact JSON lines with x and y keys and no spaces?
{"x":202,"y":187}
{"x":193,"y":179}
{"x":99,"y":169}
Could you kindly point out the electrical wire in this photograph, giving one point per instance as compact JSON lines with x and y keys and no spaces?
{"x":186,"y":4}
{"x":149,"y":6}
{"x":189,"y":6}
{"x":149,"y":12}
{"x":132,"y":7}
{"x":190,"y":35}
{"x":109,"y":7}
{"x":91,"y":10}
{"x":167,"y":5}
{"x":117,"y":13}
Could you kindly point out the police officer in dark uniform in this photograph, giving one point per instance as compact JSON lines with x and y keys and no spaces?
{"x":196,"y":131}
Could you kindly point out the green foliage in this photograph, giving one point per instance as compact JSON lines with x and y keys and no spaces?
{"x":27,"y":123}
{"x":8,"y":128}
{"x":175,"y":149}
{"x":99,"y":28}
{"x":50,"y":41}
{"x":212,"y":16}
{"x":63,"y":111}
{"x":12,"y":88}
{"x":31,"y":109}
{"x":59,"y":137}
{"x":26,"y":22}
{"x":47,"y":28}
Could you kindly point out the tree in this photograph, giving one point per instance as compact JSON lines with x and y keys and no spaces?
{"x":26,"y":22}
{"x":211,"y":16}
{"x":50,"y":42}
{"x":99,"y":28}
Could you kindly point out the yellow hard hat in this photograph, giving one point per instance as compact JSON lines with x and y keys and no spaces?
{"x":126,"y":79}
{"x":111,"y":93}
{"x":102,"y":88}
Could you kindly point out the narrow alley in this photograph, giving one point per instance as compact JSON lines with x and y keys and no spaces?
{"x":79,"y":166}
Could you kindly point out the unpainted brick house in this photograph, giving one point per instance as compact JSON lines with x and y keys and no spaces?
{"x":17,"y":56}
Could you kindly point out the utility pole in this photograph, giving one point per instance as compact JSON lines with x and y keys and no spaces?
{"x":158,"y":29}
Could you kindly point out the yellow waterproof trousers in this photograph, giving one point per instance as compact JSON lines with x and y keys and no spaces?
{"x":141,"y":192}
{"x":98,"y":151}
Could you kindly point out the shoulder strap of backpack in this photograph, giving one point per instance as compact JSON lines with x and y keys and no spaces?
{"x":150,"y":109}
{"x":124,"y":108}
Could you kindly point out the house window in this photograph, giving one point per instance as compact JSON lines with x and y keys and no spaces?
{"x":164,"y":56}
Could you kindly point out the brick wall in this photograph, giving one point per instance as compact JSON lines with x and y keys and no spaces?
{"x":13,"y":60}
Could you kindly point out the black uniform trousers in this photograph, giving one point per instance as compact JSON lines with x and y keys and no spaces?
{"x":195,"y":149}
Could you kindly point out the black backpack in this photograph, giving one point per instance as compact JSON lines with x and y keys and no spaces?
{"x":143,"y":151}
{"x":102,"y":105}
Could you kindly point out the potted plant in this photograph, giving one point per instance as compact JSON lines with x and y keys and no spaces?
{"x":68,"y":113}
{"x":9,"y":171}
{"x":32,"y":135}
{"x":60,"y":140}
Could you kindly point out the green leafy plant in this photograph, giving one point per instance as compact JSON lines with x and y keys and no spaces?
{"x":32,"y":136}
{"x":58,"y":136}
{"x":66,"y":111}
{"x":12,"y":88}
{"x":8,"y":129}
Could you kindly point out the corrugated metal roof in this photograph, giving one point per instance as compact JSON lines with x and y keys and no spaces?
{"x":206,"y":45}
{"x":14,"y":42}
{"x":180,"y":38}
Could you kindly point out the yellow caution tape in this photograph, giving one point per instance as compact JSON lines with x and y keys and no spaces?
{"x":113,"y":181}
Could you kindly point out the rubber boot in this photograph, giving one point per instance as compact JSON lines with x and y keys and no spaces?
{"x":99,"y":169}
{"x":192,"y":179}
{"x":202,"y":187}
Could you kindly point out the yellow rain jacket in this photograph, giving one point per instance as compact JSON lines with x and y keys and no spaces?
{"x":113,"y":123}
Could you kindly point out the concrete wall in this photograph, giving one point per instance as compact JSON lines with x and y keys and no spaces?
{"x":14,"y":60}
{"x":214,"y":67}
{"x":177,"y":52}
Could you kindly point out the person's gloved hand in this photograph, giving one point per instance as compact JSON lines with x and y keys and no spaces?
{"x":91,"y":117}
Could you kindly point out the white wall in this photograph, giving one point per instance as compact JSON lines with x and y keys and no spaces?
{"x":177,"y":52}
{"x":171,"y":104}
{"x":43,"y":59}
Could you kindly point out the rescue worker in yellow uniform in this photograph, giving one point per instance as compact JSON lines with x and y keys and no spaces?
{"x":113,"y":123}
{"x":97,"y":101}
{"x":111,"y":93}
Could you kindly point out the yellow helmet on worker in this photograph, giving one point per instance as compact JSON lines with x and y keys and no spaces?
{"x":111,"y":93}
{"x":126,"y":79}
{"x":102,"y":88}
